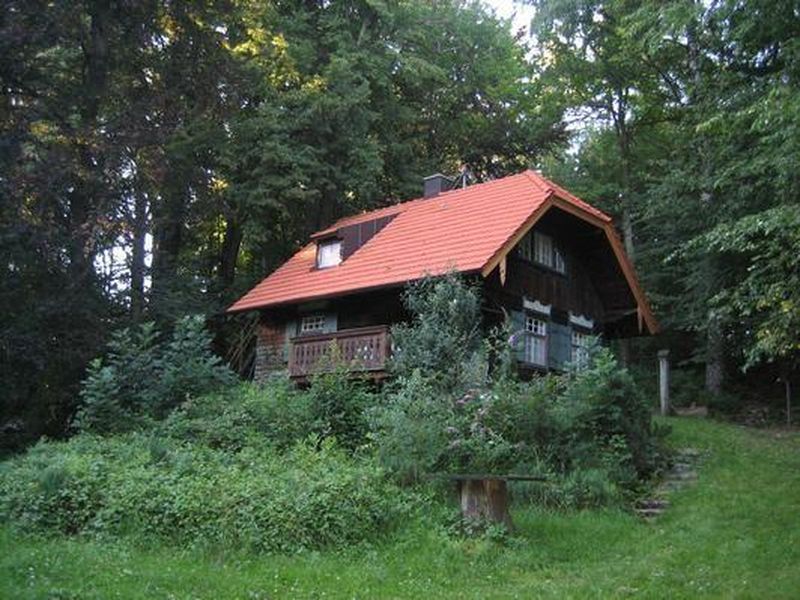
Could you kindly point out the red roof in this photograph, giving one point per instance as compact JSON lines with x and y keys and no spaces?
{"x":465,"y":230}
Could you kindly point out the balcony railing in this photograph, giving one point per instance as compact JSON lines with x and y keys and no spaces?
{"x":362,"y":349}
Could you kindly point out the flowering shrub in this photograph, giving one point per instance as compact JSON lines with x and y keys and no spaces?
{"x":589,"y":430}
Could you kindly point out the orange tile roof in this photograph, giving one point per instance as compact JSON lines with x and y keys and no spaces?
{"x":461,"y":230}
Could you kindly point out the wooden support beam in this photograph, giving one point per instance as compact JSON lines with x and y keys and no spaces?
{"x":663,"y":381}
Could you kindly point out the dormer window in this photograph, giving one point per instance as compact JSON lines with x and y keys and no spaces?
{"x":329,"y":253}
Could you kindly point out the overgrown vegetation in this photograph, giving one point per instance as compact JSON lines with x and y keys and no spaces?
{"x":457,"y":407}
{"x":146,"y":374}
{"x":155,"y":488}
{"x":740,"y":517}
{"x":169,"y":450}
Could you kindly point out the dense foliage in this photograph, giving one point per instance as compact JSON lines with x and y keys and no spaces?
{"x":689,"y":121}
{"x":589,"y":431}
{"x":145,"y":375}
{"x":157,"y":158}
{"x":153,"y":487}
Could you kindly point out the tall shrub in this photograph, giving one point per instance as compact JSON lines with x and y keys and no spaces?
{"x":144,"y":376}
{"x":443,"y":338}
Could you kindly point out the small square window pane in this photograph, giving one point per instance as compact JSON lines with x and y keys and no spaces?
{"x":329,"y":254}
{"x":312,"y":324}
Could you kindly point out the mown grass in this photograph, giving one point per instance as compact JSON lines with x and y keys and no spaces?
{"x":733,"y":534}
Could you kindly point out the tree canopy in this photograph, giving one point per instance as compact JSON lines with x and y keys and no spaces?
{"x":157,"y":158}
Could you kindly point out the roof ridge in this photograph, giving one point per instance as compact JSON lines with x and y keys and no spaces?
{"x":401,"y":206}
{"x":554,"y":188}
{"x":538,"y":180}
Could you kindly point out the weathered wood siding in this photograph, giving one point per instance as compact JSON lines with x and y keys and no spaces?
{"x":572,"y":291}
{"x":270,"y":347}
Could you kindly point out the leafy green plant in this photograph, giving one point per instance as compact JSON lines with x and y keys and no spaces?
{"x":443,"y":338}
{"x":338,"y":402}
{"x":143,"y":377}
{"x":314,"y":495}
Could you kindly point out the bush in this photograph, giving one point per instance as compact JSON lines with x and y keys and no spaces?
{"x":338,"y":402}
{"x":142,"y":379}
{"x":313,"y":496}
{"x":443,"y":337}
{"x":409,"y":427}
{"x":589,"y":431}
{"x":273,"y":414}
{"x":276,"y":414}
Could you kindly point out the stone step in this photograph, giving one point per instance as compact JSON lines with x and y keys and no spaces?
{"x":649,"y":513}
{"x":682,"y":476}
{"x":653,"y":503}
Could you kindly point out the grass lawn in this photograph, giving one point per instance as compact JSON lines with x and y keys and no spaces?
{"x":734,"y":533}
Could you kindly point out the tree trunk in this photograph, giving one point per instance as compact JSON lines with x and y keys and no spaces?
{"x":715,"y":356}
{"x":138,"y":255}
{"x":788,"y":386}
{"x":168,"y":222}
{"x":485,"y":500}
{"x":230,"y":252}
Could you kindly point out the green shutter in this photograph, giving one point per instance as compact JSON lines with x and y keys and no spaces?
{"x":291,"y":331}
{"x":330,"y":323}
{"x":559,"y":345}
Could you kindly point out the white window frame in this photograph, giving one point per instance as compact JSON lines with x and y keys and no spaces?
{"x":329,"y":253}
{"x":535,"y":340}
{"x":547,"y":253}
{"x":311,"y":324}
{"x":580,"y":347}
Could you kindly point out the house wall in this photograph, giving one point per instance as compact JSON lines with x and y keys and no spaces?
{"x":572,"y":291}
{"x":270,"y":347}
{"x":565,"y":295}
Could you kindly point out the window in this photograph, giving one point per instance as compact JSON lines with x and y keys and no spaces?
{"x":329,"y":253}
{"x":312,"y":324}
{"x":546,"y":253}
{"x":543,"y":249}
{"x":536,"y":341}
{"x":558,"y":261}
{"x":524,"y":247}
{"x":580,"y":348}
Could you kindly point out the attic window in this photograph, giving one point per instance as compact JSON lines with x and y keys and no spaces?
{"x":546,"y":253}
{"x":541,"y":249}
{"x":329,"y":253}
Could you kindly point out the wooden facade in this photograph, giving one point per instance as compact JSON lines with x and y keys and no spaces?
{"x":553,"y":308}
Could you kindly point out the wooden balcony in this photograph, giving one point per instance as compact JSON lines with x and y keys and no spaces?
{"x":365,"y":349}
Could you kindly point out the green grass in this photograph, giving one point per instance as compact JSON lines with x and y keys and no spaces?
{"x":733,"y":534}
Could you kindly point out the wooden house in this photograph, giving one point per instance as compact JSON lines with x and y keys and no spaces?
{"x":551,"y":262}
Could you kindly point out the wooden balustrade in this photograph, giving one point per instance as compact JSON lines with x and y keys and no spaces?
{"x":362,"y":349}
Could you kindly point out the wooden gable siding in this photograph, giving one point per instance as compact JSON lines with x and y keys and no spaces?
{"x":572,"y":291}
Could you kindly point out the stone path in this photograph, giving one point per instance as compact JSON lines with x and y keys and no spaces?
{"x":682,"y":473}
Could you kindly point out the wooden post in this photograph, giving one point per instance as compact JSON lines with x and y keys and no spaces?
{"x":663,"y":381}
{"x":788,"y":386}
{"x":485,"y":500}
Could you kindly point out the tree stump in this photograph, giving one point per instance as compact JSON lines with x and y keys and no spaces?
{"x":485,"y":500}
